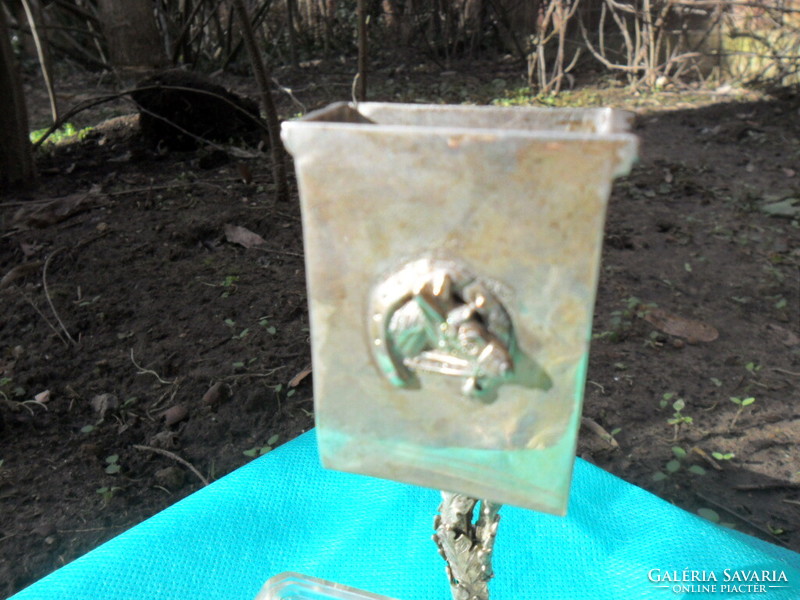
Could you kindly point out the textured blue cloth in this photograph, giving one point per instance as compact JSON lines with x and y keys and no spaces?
{"x":283,"y":512}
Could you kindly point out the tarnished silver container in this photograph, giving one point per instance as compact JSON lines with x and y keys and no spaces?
{"x":452,"y":257}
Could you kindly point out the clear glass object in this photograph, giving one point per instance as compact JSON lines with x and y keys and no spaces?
{"x":294,"y":586}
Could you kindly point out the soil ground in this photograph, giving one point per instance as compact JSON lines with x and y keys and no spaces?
{"x":135,"y":332}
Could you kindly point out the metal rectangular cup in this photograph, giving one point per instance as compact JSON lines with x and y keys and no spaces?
{"x":452,"y":257}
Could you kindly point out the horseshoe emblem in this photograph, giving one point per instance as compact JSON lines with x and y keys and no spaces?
{"x":435,"y":316}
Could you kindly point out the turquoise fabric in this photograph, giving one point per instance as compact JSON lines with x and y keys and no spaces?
{"x":283,"y":512}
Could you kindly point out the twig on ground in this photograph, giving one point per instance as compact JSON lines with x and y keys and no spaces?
{"x":143,"y":371}
{"x":741,"y":517}
{"x":90,"y":240}
{"x":92,"y":529}
{"x":284,"y":215}
{"x":282,"y":252}
{"x":166,"y":187}
{"x":290,"y":93}
{"x":785,"y":372}
{"x":168,"y":395}
{"x":353,"y":89}
{"x":45,"y":319}
{"x":761,"y":487}
{"x":704,"y":455}
{"x":152,"y":188}
{"x":269,"y":373}
{"x":27,"y":203}
{"x":13,"y":404}
{"x":174,"y":457}
{"x":50,"y":300}
{"x":598,"y":386}
{"x":600,"y":431}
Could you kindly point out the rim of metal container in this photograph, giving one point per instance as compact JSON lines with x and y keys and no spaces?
{"x":352,"y":122}
{"x":612,"y":124}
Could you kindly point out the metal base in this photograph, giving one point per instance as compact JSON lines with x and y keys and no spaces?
{"x":467,"y":546}
{"x":464,"y":545}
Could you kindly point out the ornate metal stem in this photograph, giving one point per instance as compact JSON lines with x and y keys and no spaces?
{"x":467,"y":546}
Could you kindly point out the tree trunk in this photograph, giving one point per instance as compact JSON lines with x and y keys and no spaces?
{"x":263,"y":76}
{"x":291,"y":19}
{"x":133,"y":37}
{"x":361,"y":78}
{"x":16,"y":158}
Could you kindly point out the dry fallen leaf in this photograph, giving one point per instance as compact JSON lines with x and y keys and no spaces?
{"x":19,"y":271}
{"x":787,"y":338}
{"x":175,"y":414}
{"x":102,"y":403}
{"x":692,"y":331}
{"x":171,"y":478}
{"x":295,"y":381}
{"x":788,"y":207}
{"x":51,"y":213}
{"x":216,"y":394}
{"x":243,"y":236}
{"x":164,"y":440}
{"x":245,"y":173}
{"x":29,"y":249}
